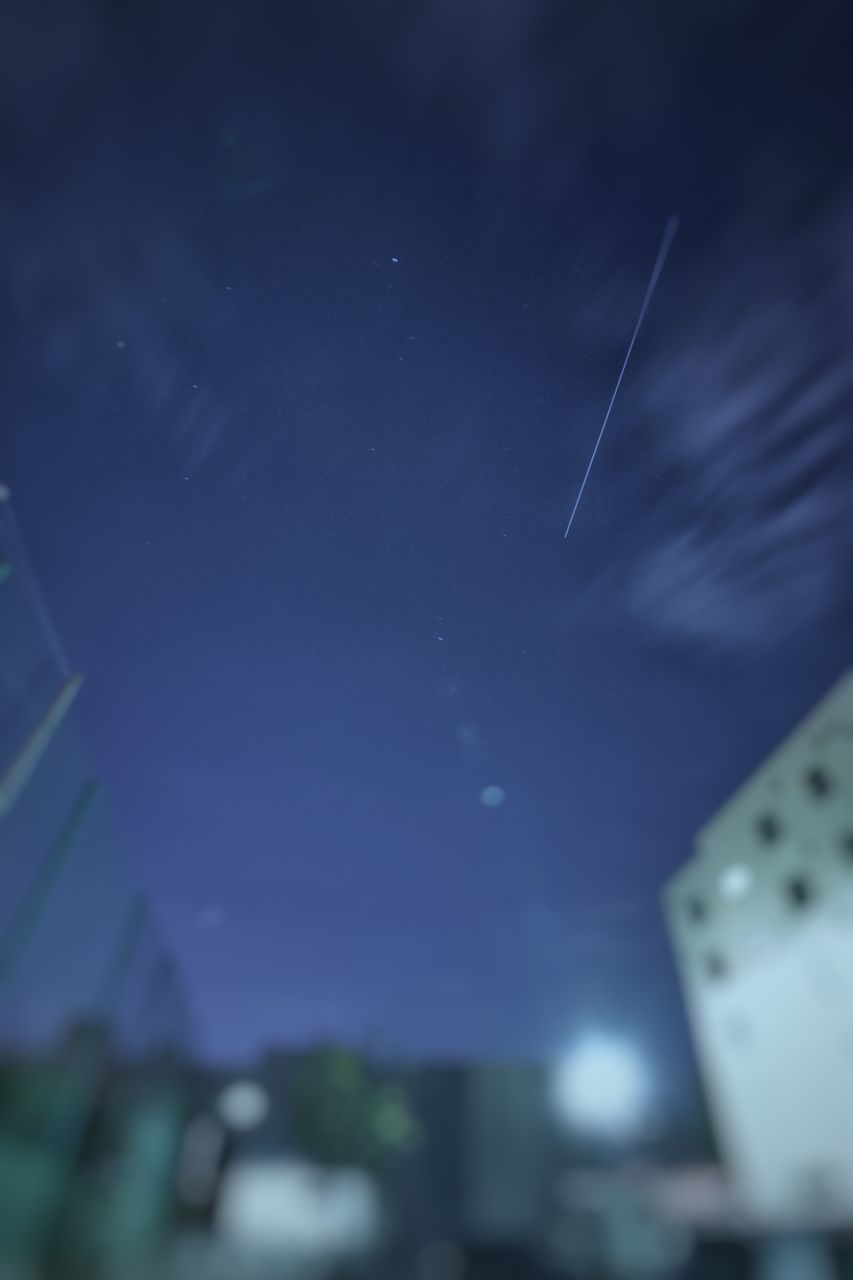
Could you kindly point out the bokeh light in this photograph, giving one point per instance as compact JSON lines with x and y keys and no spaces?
{"x":492,"y":797}
{"x":602,"y":1087}
{"x":736,"y":881}
{"x":243,"y":1105}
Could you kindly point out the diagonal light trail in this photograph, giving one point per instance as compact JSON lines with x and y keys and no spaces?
{"x":665,"y":245}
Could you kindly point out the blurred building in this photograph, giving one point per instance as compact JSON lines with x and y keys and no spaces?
{"x":462,"y":1156}
{"x":761,"y":919}
{"x":510,"y":1152}
{"x":93,"y":1014}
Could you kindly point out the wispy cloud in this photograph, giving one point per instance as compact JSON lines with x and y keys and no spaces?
{"x":745,"y":387}
{"x":750,"y":395}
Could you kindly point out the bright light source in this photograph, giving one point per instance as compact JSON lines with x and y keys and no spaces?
{"x":602,"y":1087}
{"x":243,"y":1105}
{"x":736,"y":881}
{"x":492,"y":797}
{"x":298,"y":1210}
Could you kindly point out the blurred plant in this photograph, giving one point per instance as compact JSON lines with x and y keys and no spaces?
{"x":344,"y":1115}
{"x":29,"y":1096}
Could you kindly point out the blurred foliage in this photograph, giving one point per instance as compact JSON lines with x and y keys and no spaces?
{"x":344,"y":1115}
{"x":28,"y":1099}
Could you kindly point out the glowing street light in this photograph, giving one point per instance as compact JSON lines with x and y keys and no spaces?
{"x":602,"y":1087}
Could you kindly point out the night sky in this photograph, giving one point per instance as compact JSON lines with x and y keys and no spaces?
{"x":313,"y":311}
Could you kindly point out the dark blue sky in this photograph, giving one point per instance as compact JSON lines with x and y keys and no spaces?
{"x":315,"y":311}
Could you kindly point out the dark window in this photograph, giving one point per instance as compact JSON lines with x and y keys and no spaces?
{"x":697,"y":910}
{"x":799,"y":892}
{"x":818,"y":782}
{"x":716,"y":966}
{"x":769,"y":828}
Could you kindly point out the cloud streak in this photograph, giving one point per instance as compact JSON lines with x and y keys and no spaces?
{"x":751,"y":396}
